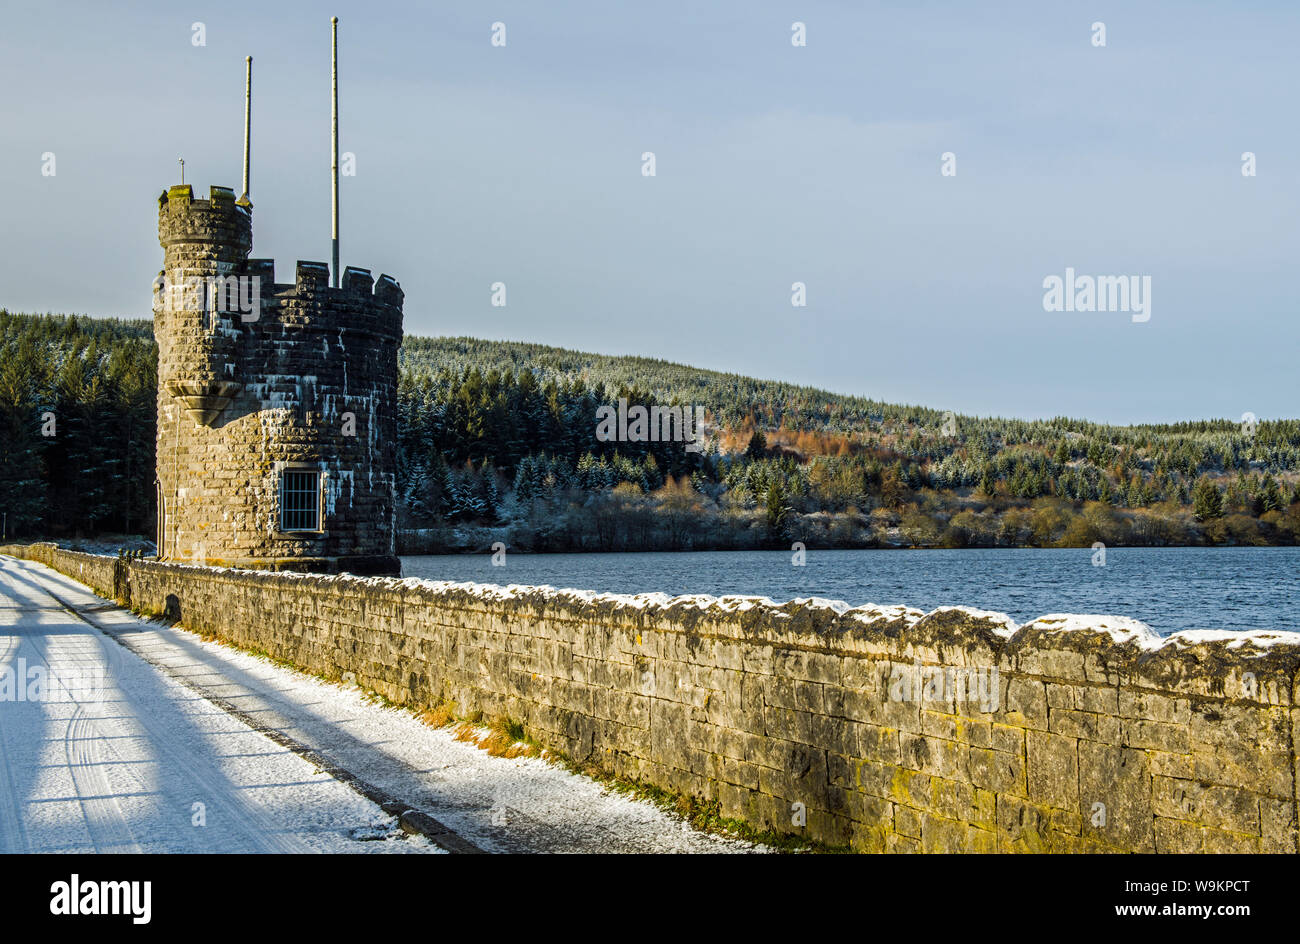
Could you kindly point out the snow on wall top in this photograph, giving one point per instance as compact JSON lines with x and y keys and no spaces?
{"x":1122,"y":630}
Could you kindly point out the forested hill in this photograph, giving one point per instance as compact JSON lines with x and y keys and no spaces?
{"x":502,"y":436}
{"x":733,"y":401}
{"x":78,"y":397}
{"x":737,"y":402}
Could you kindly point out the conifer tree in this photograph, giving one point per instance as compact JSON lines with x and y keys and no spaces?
{"x":1207,"y":500}
{"x":1270,"y":496}
{"x":488,"y":494}
{"x":439,"y":487}
{"x":524,"y":489}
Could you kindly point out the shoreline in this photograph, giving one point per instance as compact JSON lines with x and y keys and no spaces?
{"x":476,"y":551}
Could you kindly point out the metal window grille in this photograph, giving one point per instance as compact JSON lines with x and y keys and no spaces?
{"x":300,"y":501}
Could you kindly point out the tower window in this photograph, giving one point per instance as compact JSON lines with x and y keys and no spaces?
{"x":299,"y":500}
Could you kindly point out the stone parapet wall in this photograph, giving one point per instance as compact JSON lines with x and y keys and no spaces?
{"x":101,"y":573}
{"x":877,"y":728}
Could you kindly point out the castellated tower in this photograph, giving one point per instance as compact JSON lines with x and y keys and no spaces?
{"x":276,"y":402}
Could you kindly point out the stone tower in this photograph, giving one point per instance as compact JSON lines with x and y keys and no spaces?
{"x":276,"y":402}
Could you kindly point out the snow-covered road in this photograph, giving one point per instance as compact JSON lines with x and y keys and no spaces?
{"x":100,"y":752}
{"x":123,"y":772}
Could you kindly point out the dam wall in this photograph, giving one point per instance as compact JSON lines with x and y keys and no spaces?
{"x":881,"y":729}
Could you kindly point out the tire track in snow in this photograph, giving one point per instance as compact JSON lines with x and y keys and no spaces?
{"x":13,"y":830}
{"x":257,"y":829}
{"x":105,"y":822}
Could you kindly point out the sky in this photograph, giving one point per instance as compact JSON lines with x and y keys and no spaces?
{"x":822,"y":164}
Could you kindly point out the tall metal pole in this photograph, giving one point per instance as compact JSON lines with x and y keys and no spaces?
{"x":334,"y":162}
{"x":248,"y":116}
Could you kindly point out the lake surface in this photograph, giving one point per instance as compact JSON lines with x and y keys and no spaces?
{"x":1169,"y":588}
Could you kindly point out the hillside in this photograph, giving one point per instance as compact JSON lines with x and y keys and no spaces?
{"x":739,"y":403}
{"x":499,"y":439}
{"x":735,"y":399}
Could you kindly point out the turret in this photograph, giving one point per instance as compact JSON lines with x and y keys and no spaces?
{"x":277,"y":402}
{"x":201,"y":297}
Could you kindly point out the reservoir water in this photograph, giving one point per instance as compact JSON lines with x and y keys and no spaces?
{"x":1169,"y":588}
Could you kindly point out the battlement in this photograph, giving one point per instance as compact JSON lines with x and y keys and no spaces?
{"x":216,"y":234}
{"x":182,"y":195}
{"x":358,"y":280}
{"x":315,"y":275}
{"x":220,"y":220}
{"x":313,"y":279}
{"x":389,"y":290}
